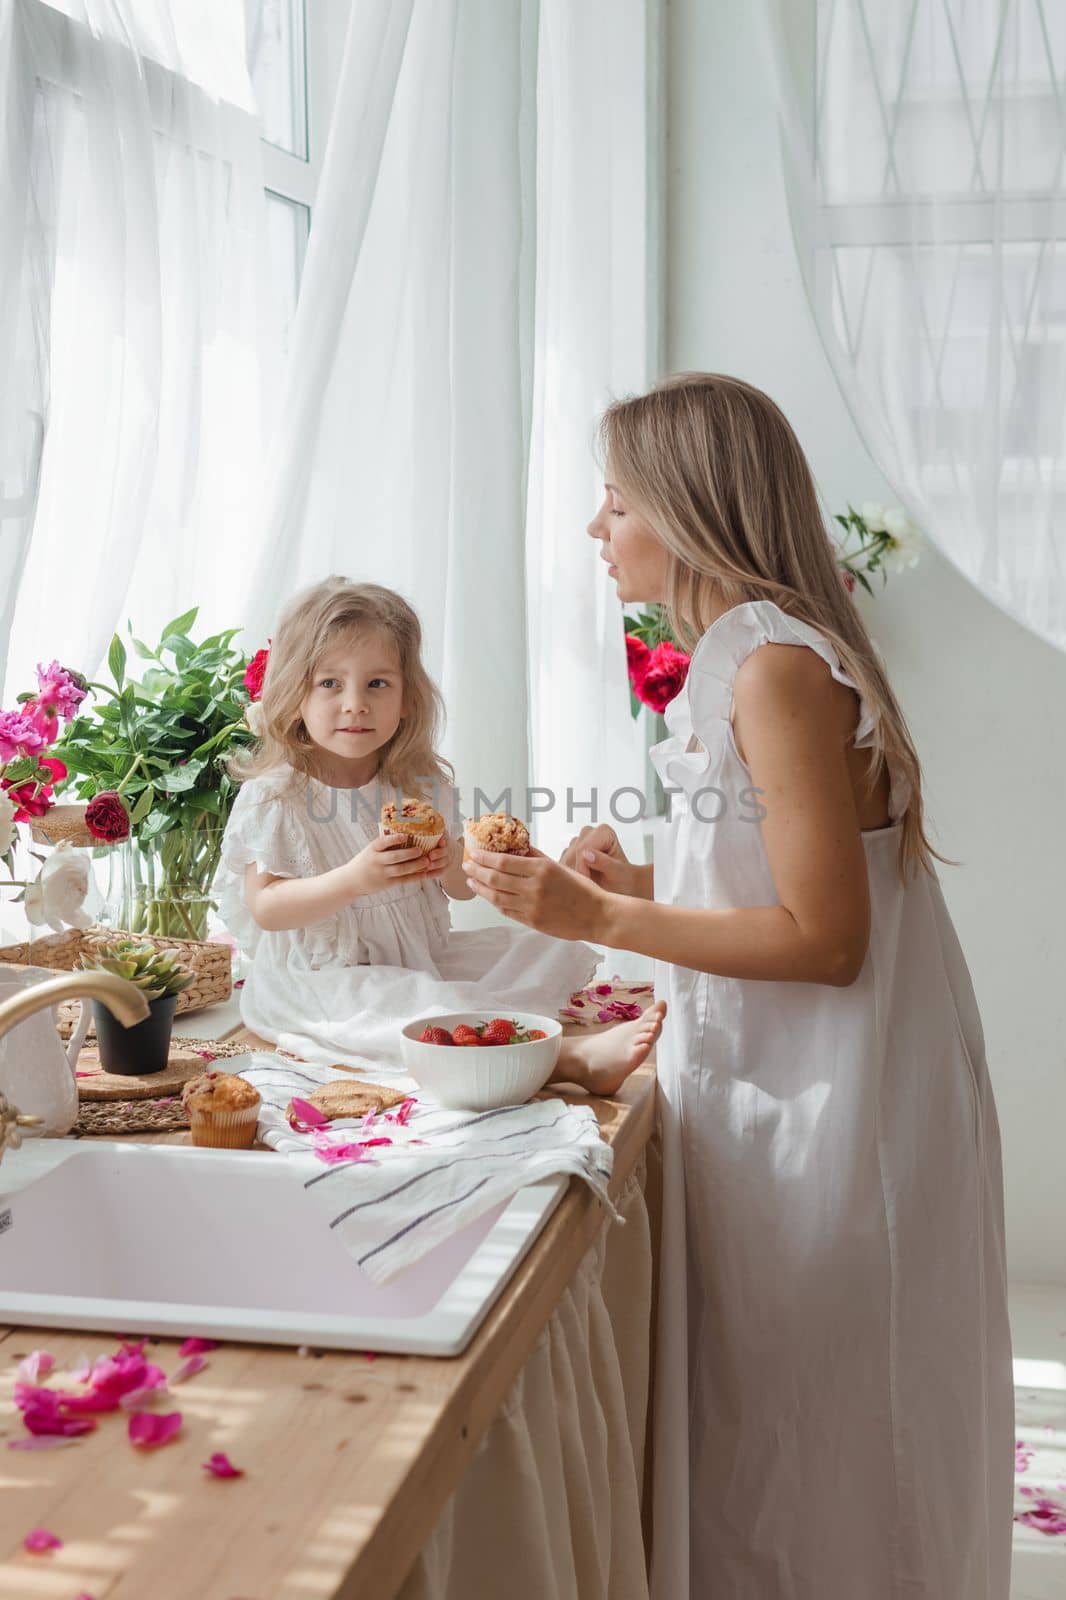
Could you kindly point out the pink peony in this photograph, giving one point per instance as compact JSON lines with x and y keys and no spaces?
{"x":59,"y":691}
{"x":19,"y":736}
{"x":664,"y":678}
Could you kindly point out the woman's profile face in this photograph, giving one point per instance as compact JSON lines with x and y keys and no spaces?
{"x":636,"y":556}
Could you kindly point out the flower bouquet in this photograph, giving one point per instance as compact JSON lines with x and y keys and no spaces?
{"x":29,"y":774}
{"x":150,"y":759}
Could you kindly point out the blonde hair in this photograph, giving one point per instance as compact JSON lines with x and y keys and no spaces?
{"x":310,"y":625}
{"x":713,"y":466}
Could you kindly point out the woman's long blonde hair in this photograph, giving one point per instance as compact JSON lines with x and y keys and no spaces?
{"x":319,"y":618}
{"x":713,"y":466}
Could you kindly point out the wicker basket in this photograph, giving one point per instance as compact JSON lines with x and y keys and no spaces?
{"x":211,"y":963}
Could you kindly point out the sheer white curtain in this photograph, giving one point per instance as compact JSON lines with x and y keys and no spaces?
{"x":136,"y":325}
{"x":465,"y":293}
{"x":925,"y":153}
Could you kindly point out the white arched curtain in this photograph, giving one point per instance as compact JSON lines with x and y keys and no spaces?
{"x":925,"y":157}
{"x":137,"y":325}
{"x":477,"y":285}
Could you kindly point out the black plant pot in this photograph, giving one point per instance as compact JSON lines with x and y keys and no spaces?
{"x":138,"y":1050}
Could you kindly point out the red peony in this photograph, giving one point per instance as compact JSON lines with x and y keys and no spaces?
{"x":255,"y":673}
{"x":664,"y":676}
{"x":32,"y":798}
{"x":106,"y":817}
{"x":637,"y":657}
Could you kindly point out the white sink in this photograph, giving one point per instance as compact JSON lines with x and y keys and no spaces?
{"x":166,"y":1239}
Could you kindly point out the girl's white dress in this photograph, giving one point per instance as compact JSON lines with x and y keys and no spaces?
{"x":341,"y":989}
{"x":833,"y":1404}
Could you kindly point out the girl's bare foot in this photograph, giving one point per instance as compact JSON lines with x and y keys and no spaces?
{"x":601,"y":1062}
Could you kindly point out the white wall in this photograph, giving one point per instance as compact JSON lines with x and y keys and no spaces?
{"x":985,"y":700}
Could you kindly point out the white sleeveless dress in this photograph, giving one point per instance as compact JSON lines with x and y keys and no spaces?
{"x":342,"y":988}
{"x":834,"y":1400}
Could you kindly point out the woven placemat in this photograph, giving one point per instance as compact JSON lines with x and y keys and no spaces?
{"x":161,"y":1114}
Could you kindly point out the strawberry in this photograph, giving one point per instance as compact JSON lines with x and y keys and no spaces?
{"x":498,"y":1031}
{"x":435,"y":1036}
{"x":464,"y":1034}
{"x":537,"y":1033}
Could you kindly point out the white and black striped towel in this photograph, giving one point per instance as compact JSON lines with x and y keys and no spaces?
{"x":440,"y":1170}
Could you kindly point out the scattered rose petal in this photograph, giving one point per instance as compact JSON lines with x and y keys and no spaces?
{"x":138,"y":1399}
{"x":220,"y":1466}
{"x":149,"y":1431}
{"x":368,"y":1144}
{"x":39,"y":1540}
{"x":189,"y":1369}
{"x":602,"y":988}
{"x":81,"y":1371}
{"x":1023,"y":1454}
{"x":197,"y":1347}
{"x":36,"y":1365}
{"x":1046,"y":1517}
{"x":403,"y":1112}
{"x":305,"y":1117}
{"x":334,"y":1153}
{"x":569,"y":1011}
{"x":371,"y":1117}
{"x":371,"y":1355}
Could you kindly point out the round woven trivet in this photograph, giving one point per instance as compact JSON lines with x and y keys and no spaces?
{"x":162,"y":1113}
{"x":188,"y":1058}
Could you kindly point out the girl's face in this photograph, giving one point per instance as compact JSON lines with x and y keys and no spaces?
{"x":354,"y":704}
{"x":636,"y":556}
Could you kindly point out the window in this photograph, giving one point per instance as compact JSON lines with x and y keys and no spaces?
{"x":293,"y":48}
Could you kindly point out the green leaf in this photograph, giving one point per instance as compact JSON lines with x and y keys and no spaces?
{"x":180,"y":625}
{"x":143,"y":806}
{"x":116,"y":660}
{"x":863,"y":580}
{"x":181,"y":779}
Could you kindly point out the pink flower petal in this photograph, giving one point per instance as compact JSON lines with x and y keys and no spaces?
{"x":404,"y":1111}
{"x":602,"y":988}
{"x":149,"y":1431}
{"x":39,"y":1540}
{"x":334,"y":1153}
{"x":305,"y":1117}
{"x":36,"y":1365}
{"x":220,"y":1466}
{"x":139,"y":1399}
{"x":197,"y":1347}
{"x":189,"y":1369}
{"x":368,"y":1144}
{"x":1047,"y":1517}
{"x":81,"y":1371}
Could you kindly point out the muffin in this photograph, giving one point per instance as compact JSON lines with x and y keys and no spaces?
{"x":223,"y":1110}
{"x":413,"y":821}
{"x":496,"y":831}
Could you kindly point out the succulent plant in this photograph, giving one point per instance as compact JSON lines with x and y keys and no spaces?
{"x":157,"y":972}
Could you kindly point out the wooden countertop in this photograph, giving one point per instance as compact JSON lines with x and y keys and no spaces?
{"x":348,"y":1461}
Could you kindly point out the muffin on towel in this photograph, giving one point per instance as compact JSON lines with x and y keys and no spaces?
{"x":414,"y":822}
{"x":496,"y":831}
{"x":223,"y":1110}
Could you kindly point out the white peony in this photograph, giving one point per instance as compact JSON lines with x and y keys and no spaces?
{"x":253,"y":717}
{"x":906,"y":546}
{"x":873,"y":514}
{"x":60,"y":888}
{"x":7,"y":823}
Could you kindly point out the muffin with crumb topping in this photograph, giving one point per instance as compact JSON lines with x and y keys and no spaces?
{"x":223,"y":1110}
{"x":415,"y":822}
{"x":497,"y":831}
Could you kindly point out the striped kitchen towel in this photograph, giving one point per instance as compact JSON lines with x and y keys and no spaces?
{"x":395,"y":1185}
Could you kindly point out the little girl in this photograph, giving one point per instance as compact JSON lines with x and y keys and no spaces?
{"x":350,"y":934}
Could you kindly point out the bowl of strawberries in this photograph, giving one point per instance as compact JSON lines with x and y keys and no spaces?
{"x":477,"y":1060}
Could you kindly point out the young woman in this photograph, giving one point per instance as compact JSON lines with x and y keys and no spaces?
{"x":834,"y":1401}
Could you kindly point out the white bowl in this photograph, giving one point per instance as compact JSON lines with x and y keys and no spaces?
{"x":480,"y":1077}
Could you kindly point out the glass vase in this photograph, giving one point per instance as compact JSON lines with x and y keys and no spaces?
{"x":166,"y":883}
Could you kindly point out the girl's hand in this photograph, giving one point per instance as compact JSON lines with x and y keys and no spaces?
{"x":540,"y":892}
{"x":597,"y":854}
{"x":384,"y":863}
{"x":439,"y":858}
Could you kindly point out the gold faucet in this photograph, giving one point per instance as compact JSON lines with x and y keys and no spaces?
{"x":123,"y":999}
